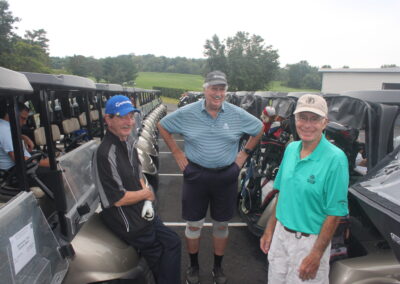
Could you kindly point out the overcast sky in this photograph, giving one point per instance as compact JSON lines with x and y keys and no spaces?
{"x":356,"y":33}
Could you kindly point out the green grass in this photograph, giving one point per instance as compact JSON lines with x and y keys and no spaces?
{"x":168,"y":100}
{"x":276,"y":86}
{"x":147,"y":80}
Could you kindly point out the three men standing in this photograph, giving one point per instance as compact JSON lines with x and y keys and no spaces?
{"x":312,"y":184}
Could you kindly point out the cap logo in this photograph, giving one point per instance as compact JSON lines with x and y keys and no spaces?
{"x":310,"y":100}
{"x":218,"y":76}
{"x":118,"y":104}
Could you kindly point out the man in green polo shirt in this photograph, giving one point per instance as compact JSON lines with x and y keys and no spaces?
{"x":312,"y":182}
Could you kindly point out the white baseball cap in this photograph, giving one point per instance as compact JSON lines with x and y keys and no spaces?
{"x":312,"y":103}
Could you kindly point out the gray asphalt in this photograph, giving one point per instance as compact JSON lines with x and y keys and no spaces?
{"x":243,"y":261}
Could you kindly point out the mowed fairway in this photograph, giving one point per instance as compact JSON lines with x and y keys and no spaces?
{"x":148,"y":80}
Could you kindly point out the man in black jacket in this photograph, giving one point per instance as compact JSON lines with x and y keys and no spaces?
{"x":125,"y":197}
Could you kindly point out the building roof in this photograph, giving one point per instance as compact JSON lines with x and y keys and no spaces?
{"x":360,"y":70}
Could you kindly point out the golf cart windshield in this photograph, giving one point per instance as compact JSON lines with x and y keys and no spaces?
{"x":29,"y":251}
{"x":80,"y":192}
{"x":379,"y":195}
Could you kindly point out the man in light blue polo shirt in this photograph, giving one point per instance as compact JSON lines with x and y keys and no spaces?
{"x":6,"y":143}
{"x":312,"y":182}
{"x":210,"y":163}
{"x":7,"y":160}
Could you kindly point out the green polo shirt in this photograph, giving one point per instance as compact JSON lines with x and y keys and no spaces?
{"x":312,"y":188}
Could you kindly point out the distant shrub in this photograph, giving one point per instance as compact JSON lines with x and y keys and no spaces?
{"x":170,"y":92}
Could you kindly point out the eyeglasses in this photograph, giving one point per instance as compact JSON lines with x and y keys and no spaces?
{"x":129,"y":116}
{"x":312,"y":119}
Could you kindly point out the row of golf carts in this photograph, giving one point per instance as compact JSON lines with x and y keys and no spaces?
{"x":366,"y":126}
{"x":51,"y":231}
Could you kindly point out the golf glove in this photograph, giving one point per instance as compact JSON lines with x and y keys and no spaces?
{"x":148,"y":211}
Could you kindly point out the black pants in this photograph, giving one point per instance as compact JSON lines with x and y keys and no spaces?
{"x":161,"y":247}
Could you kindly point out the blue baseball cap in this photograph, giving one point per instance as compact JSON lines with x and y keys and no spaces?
{"x":119,"y":105}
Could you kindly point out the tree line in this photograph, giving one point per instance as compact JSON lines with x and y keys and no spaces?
{"x":248,"y":61}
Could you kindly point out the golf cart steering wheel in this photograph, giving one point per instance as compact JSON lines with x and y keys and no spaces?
{"x":34,"y":160}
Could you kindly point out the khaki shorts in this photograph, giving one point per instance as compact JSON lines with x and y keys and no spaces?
{"x":286,"y":254}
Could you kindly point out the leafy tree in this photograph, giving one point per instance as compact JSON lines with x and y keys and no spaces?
{"x":248,"y":63}
{"x":389,"y":66}
{"x":282,"y":75}
{"x":326,"y":66}
{"x":27,"y":54}
{"x":37,"y":37}
{"x":302,"y":75}
{"x":120,"y":69}
{"x":95,"y":68}
{"x":58,"y":62}
{"x":312,"y":81}
{"x":296,"y":73}
{"x":29,"y":58}
{"x":215,"y":51}
{"x":151,"y":63}
{"x":78,"y":65}
{"x":7,"y":36}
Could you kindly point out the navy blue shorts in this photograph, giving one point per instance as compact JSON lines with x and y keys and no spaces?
{"x":202,"y":187}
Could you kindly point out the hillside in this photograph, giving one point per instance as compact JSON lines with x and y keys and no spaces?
{"x":148,"y":80}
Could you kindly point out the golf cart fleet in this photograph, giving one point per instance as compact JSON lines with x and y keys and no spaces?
{"x":51,"y":229}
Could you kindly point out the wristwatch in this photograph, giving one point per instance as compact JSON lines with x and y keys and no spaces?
{"x":248,"y":151}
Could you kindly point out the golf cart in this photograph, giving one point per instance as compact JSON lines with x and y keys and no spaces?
{"x":190,"y":97}
{"x":256,"y":178}
{"x":77,"y":246}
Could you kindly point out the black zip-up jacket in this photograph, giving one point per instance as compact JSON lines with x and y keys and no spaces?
{"x":117,"y":169}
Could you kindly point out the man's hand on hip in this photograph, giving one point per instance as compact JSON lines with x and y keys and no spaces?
{"x":241,"y":159}
{"x":181,"y":159}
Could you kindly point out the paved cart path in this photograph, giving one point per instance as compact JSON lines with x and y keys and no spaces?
{"x":243,"y":261}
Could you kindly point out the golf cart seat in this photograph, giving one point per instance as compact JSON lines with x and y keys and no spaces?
{"x":95,"y":120}
{"x":40,"y":136}
{"x":70,"y":125}
{"x":73,"y":135}
{"x":82,"y":119}
{"x":94,"y":115}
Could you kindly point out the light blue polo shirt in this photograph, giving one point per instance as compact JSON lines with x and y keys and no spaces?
{"x":312,"y":188}
{"x":211,"y":142}
{"x":6,"y":146}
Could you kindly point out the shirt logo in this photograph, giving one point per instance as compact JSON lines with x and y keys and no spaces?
{"x":311,"y":179}
{"x":226,"y":126}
